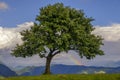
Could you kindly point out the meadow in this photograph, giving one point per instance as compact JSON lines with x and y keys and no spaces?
{"x":68,"y":77}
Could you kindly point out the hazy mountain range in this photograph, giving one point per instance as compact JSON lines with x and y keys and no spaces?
{"x":67,"y":69}
{"x":6,"y":72}
{"x":56,"y":69}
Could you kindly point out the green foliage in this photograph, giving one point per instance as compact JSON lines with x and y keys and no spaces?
{"x":60,"y":28}
{"x":70,"y":77}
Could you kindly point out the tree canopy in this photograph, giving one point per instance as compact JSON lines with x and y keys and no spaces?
{"x":59,"y":29}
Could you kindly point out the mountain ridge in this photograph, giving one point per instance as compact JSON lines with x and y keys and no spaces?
{"x":6,"y":71}
{"x":71,"y":69}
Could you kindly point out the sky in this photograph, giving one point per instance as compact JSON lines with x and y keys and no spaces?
{"x":18,"y":15}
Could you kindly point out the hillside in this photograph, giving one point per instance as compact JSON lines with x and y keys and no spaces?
{"x":6,"y":72}
{"x":70,"y":69}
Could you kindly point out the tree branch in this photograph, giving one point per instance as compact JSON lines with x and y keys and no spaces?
{"x":56,"y":53}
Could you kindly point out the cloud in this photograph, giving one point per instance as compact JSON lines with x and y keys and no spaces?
{"x":112,"y":56}
{"x":111,"y":47}
{"x":109,"y":33}
{"x":9,"y":37}
{"x":3,"y":6}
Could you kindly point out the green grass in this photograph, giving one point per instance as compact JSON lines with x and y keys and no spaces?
{"x":1,"y":77}
{"x":69,"y":77}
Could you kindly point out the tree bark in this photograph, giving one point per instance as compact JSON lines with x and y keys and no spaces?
{"x":48,"y":61}
{"x":47,"y":67}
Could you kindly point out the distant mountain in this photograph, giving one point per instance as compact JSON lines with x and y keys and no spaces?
{"x":70,"y":69}
{"x":33,"y":71}
{"x":21,"y":69}
{"x":73,"y":69}
{"x":6,"y":72}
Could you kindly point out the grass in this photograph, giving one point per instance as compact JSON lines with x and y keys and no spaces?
{"x":69,"y":77}
{"x":1,"y":78}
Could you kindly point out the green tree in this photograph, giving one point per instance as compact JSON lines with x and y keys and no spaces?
{"x":59,"y":29}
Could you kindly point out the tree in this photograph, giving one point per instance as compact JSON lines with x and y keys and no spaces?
{"x":59,"y":29}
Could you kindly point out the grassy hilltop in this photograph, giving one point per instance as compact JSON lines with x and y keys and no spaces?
{"x":69,"y":77}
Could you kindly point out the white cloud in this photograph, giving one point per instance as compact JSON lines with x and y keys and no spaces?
{"x":3,"y":6}
{"x":7,"y":37}
{"x":24,"y":26}
{"x":111,"y":47}
{"x":11,"y":36}
{"x":111,"y":34}
{"x":110,"y":59}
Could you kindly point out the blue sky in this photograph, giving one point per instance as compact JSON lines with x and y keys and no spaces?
{"x":105,"y":12}
{"x":18,"y":15}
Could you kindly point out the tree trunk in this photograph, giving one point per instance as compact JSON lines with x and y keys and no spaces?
{"x":48,"y":61}
{"x":47,"y":66}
